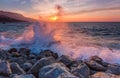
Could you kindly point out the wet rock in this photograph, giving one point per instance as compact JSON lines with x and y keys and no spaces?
{"x":93,"y":72}
{"x":47,"y":53}
{"x":41,"y":63}
{"x":12,"y":50}
{"x":5,"y":68}
{"x":65,"y":60}
{"x":16,"y":69}
{"x":32,"y":56}
{"x":15,"y":54}
{"x":4,"y":54}
{"x":24,"y":51}
{"x":55,"y":70}
{"x":3,"y":77}
{"x":98,"y":60}
{"x":23,"y":76}
{"x":104,"y":75}
{"x":114,"y":69}
{"x":26,"y":66}
{"x":82,"y":71}
{"x":95,"y":66}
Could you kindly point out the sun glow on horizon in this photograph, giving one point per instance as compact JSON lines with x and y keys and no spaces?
{"x":54,"y":18}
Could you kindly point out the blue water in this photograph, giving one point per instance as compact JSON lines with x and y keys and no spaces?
{"x":78,"y":40}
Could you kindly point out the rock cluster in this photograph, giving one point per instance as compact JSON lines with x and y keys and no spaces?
{"x":47,"y":64}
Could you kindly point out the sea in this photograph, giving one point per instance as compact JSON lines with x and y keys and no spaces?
{"x":80,"y":40}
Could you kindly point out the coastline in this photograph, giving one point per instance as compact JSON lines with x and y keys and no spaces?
{"x":47,"y":64}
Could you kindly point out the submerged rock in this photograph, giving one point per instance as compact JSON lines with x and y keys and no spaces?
{"x":16,"y":69}
{"x":55,"y":70}
{"x":82,"y":71}
{"x":104,"y":75}
{"x":114,"y":69}
{"x":5,"y":68}
{"x":65,"y":60}
{"x":41,"y":63}
{"x":23,"y":76}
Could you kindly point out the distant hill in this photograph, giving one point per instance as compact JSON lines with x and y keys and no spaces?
{"x":13,"y":17}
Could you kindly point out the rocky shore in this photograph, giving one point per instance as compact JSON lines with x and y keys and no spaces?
{"x":47,"y":64}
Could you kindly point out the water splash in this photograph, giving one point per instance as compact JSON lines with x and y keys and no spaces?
{"x":40,"y":36}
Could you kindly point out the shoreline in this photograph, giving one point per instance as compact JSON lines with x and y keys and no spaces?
{"x":47,"y":64}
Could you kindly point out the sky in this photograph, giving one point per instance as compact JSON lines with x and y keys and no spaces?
{"x":72,"y":10}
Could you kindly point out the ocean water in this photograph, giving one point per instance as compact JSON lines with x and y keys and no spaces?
{"x":78,"y":40}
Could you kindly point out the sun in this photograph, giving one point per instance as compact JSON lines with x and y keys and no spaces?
{"x":54,"y":18}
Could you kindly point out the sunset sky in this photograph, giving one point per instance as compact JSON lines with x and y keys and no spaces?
{"x":72,"y":10}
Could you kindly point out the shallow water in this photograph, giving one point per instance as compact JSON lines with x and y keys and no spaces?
{"x":78,"y":40}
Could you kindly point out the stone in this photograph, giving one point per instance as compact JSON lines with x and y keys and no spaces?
{"x":26,"y":66}
{"x":15,"y":54}
{"x":24,"y":51}
{"x":82,"y":71}
{"x":95,"y":66}
{"x":113,"y":69}
{"x":5,"y":68}
{"x":39,"y":64}
{"x":23,"y":76}
{"x":104,"y":75}
{"x":55,"y":70}
{"x":16,"y":69}
{"x":4,"y":55}
{"x":98,"y":60}
{"x":65,"y":60}
{"x":3,"y":77}
{"x":47,"y":53}
{"x":12,"y":50}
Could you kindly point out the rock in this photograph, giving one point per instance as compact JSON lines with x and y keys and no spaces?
{"x":41,"y":63}
{"x":4,"y":55}
{"x":19,"y":60}
{"x":104,"y":75}
{"x":5,"y":68}
{"x":98,"y":60}
{"x":23,"y":76}
{"x":47,"y":53}
{"x":82,"y":71}
{"x":93,"y":72}
{"x":32,"y":56}
{"x":15,"y":54}
{"x":26,"y":66}
{"x":16,"y":69}
{"x":65,"y":60}
{"x":12,"y":50}
{"x":95,"y":66}
{"x":24,"y":51}
{"x":55,"y":70}
{"x":3,"y":77}
{"x":114,"y":69}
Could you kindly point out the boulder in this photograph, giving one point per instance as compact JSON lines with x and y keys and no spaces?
{"x":98,"y":60}
{"x":12,"y":50}
{"x":26,"y":66}
{"x":24,"y":51}
{"x":41,"y":63}
{"x":4,"y":54}
{"x":113,"y":69}
{"x":47,"y":53}
{"x":82,"y":71}
{"x":66,"y":60}
{"x":23,"y":76}
{"x":16,"y":69}
{"x":5,"y":68}
{"x":55,"y":70}
{"x":15,"y":54}
{"x":95,"y":66}
{"x":3,"y":77}
{"x":104,"y":75}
